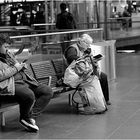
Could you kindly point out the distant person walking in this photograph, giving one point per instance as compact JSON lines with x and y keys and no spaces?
{"x":65,"y":20}
{"x":130,"y":10}
{"x":39,"y":19}
{"x":126,"y":17}
{"x":13,"y":18}
{"x":24,"y":20}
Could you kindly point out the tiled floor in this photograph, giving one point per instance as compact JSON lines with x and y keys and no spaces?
{"x":121,"y":121}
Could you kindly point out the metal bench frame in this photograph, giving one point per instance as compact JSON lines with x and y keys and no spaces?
{"x":46,"y":72}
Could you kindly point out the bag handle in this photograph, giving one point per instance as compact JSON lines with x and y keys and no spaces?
{"x":73,"y":100}
{"x":93,"y":65}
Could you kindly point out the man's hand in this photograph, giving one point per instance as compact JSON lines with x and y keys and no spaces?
{"x":20,"y":66}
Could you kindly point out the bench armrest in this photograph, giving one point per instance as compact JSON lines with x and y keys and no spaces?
{"x":49,"y":79}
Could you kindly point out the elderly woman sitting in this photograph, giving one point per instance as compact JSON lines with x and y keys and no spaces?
{"x":77,"y":50}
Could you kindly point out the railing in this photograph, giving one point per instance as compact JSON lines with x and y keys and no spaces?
{"x":97,"y":34}
{"x":113,"y":28}
{"x":47,"y":44}
{"x":120,"y":23}
{"x":124,"y":27}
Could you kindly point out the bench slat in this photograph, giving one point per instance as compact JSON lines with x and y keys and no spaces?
{"x":59,"y":66}
{"x":44,"y":69}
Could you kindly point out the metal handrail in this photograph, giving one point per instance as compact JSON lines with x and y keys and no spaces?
{"x":55,"y":33}
{"x":44,"y":24}
{"x":119,"y":18}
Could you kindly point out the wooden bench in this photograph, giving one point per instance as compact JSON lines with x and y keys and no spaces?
{"x":46,"y":72}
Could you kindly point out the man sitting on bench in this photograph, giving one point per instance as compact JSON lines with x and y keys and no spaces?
{"x":16,"y":84}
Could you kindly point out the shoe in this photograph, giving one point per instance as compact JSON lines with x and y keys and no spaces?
{"x":90,"y":111}
{"x":29,"y":124}
{"x":33,"y":121}
{"x":108,"y":103}
{"x":86,"y":112}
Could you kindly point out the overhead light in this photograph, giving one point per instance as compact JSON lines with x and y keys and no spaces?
{"x":20,"y":10}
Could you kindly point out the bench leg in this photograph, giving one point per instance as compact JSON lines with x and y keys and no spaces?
{"x":70,"y":99}
{"x":2,"y":118}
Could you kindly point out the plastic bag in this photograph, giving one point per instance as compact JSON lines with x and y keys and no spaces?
{"x":92,"y":96}
{"x":70,"y":77}
{"x":77,"y":72}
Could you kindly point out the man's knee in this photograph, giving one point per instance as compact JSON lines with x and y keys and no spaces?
{"x":24,"y":95}
{"x":30,"y":98}
{"x":49,"y":91}
{"x":46,"y":90}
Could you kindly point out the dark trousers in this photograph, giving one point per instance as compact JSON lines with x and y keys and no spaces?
{"x":31,"y":99}
{"x":104,"y":85}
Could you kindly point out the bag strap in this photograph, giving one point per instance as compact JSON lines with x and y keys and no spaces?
{"x":75,"y":103}
{"x":93,"y":65}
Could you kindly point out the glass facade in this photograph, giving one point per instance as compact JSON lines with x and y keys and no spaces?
{"x":22,"y":13}
{"x":84,"y":11}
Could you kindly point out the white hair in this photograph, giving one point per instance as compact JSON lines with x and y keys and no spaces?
{"x":84,"y":41}
{"x":87,"y":38}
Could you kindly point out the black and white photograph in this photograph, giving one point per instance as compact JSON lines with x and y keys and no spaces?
{"x":69,"y":69}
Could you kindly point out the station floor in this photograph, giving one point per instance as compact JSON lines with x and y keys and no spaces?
{"x":121,"y":121}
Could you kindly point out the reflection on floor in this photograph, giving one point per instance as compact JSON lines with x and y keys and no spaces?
{"x":121,"y":121}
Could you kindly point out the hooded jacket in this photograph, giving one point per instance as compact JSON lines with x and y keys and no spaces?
{"x":7,"y":80}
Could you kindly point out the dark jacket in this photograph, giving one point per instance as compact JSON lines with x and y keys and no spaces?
{"x":65,"y":20}
{"x":72,"y":53}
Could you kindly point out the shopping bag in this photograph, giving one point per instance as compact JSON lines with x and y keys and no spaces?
{"x":78,"y":71}
{"x":70,"y":77}
{"x":92,"y":96}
